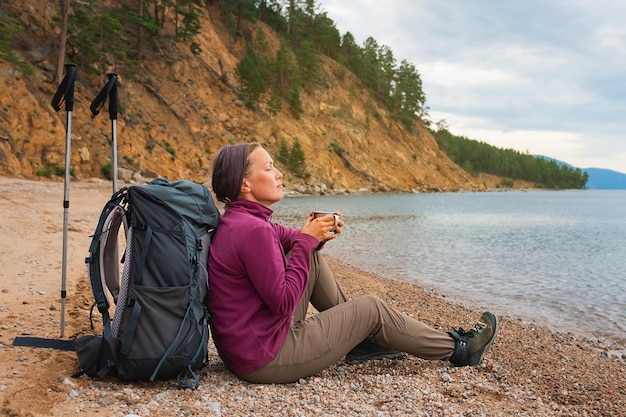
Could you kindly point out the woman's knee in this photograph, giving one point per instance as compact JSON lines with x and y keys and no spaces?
{"x":371,"y":304}
{"x":372,"y":300}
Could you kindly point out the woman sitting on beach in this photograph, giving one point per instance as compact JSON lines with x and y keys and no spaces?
{"x":262,"y":277}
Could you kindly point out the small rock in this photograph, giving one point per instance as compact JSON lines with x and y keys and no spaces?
{"x":69,"y":382}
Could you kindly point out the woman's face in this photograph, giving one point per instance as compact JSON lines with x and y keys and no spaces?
{"x":263,"y":183}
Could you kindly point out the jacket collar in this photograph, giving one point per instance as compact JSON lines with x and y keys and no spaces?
{"x":251,"y":207}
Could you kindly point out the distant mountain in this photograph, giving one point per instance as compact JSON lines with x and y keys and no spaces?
{"x":605,"y":179}
{"x":599,"y":178}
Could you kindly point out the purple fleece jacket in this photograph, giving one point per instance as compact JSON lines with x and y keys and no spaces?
{"x":253,"y":288}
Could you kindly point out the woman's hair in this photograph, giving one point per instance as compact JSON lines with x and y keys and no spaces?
{"x":230,"y":167}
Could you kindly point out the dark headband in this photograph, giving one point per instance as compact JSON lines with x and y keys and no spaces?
{"x":228,"y":172}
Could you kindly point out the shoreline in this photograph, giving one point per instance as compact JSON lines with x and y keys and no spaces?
{"x":530,"y":370}
{"x":611,"y":345}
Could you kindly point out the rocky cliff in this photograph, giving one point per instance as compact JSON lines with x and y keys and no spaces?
{"x":180,"y":108}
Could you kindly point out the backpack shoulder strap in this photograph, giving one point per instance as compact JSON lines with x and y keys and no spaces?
{"x":97,"y":261}
{"x":108,"y":254}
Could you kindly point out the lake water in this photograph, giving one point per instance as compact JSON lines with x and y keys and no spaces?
{"x":552,"y":257}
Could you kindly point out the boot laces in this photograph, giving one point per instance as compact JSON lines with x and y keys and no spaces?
{"x":468,"y":334}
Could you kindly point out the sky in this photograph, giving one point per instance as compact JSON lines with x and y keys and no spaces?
{"x":547,"y":77}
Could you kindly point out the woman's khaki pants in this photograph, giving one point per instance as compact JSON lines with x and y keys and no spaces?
{"x":316,"y":342}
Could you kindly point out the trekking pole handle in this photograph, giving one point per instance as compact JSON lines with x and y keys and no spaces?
{"x":109,"y":91}
{"x":65,"y":91}
{"x":113,"y":102}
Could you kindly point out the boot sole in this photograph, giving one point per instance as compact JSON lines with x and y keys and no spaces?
{"x":373,"y":357}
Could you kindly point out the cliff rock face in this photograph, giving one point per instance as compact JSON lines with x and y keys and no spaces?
{"x":180,"y":109}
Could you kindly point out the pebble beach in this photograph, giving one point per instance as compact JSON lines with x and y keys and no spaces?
{"x":530,"y":370}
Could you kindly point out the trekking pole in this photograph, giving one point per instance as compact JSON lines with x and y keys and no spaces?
{"x":109,"y":91}
{"x":65,"y":93}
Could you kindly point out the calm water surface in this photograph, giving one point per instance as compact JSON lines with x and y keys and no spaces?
{"x":555,"y":257}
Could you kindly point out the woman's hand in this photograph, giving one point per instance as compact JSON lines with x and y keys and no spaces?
{"x":321,"y":228}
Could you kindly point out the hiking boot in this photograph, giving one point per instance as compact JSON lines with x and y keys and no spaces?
{"x":368,"y":350}
{"x":471,"y":345}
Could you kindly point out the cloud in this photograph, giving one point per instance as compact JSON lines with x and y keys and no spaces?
{"x":522,"y":73}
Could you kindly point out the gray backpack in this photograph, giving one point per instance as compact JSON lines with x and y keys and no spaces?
{"x":159,"y":329}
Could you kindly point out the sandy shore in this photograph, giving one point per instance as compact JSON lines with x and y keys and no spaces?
{"x":530,"y":371}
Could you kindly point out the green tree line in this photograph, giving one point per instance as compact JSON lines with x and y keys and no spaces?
{"x":476,"y":157}
{"x":101,"y":37}
{"x":105,"y":36}
{"x":307,"y":31}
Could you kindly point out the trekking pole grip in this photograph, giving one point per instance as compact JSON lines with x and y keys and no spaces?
{"x":65,"y":91}
{"x":109,"y":91}
{"x":113,"y":102}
